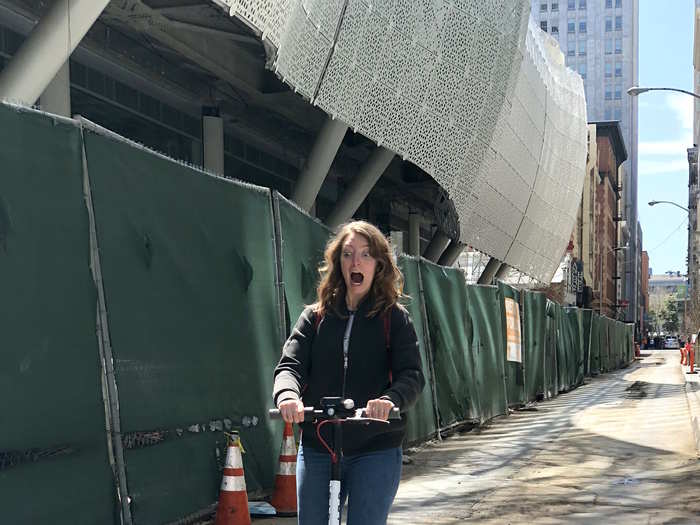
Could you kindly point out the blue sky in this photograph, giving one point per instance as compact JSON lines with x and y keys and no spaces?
{"x":665,"y":128}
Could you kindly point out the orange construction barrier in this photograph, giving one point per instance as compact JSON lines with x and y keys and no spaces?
{"x":233,"y":498}
{"x":284,"y":499}
{"x":691,"y":358}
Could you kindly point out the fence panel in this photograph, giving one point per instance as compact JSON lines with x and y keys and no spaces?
{"x":534,"y":343}
{"x":421,"y":418}
{"x":189,"y":273}
{"x":303,"y":242}
{"x":551,"y":350}
{"x":515,"y":382}
{"x":54,"y":465}
{"x":587,"y":325}
{"x":596,"y":328}
{"x":488,"y":349}
{"x":449,"y":325}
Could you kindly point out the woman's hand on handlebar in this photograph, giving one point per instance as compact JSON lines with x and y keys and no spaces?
{"x":292,"y":410}
{"x":379,"y":408}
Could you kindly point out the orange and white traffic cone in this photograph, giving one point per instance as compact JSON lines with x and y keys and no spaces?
{"x":233,"y":498}
{"x":284,"y":499}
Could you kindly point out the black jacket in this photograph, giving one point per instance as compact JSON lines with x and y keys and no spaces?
{"x":311,"y":367}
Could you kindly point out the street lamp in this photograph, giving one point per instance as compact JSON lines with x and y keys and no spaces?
{"x":636,"y":90}
{"x":653,"y":203}
{"x":685,"y":299}
{"x":600,"y":280}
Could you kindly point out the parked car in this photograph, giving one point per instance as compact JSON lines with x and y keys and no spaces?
{"x":671,"y":342}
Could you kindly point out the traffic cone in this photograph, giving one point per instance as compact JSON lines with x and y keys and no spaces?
{"x":284,"y":499}
{"x":233,"y":498}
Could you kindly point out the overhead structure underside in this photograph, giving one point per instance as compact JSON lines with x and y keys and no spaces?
{"x":470,"y":91}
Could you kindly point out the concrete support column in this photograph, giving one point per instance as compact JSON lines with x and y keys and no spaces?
{"x":318,"y":163}
{"x":451,"y":253}
{"x":414,"y":220}
{"x":56,"y":97}
{"x":436,"y":246}
{"x":353,"y":197}
{"x":489,"y":272}
{"x":213,"y":140}
{"x":502,"y":271}
{"x":48,"y":48}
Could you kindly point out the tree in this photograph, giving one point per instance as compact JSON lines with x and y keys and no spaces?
{"x":669,"y":315}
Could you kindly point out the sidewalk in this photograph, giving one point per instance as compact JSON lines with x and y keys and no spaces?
{"x":692,"y":392}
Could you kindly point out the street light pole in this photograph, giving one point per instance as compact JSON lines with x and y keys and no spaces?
{"x":653,"y":203}
{"x":636,"y":90}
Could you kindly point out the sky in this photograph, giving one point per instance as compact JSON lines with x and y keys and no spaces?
{"x":665,"y":129}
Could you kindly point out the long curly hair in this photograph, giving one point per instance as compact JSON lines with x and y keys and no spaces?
{"x":387,"y":285}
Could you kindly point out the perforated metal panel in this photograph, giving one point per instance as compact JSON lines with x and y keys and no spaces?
{"x":466,"y":89}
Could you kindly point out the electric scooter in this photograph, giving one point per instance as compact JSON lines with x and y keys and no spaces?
{"x":336,"y":411}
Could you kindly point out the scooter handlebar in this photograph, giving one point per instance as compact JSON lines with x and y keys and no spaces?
{"x":311,"y":413}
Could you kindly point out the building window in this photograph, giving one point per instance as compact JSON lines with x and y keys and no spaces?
{"x":555,"y":30}
{"x":582,"y":26}
{"x":608,"y":95}
{"x":582,"y":4}
{"x":618,"y":69}
{"x":608,"y":4}
{"x":608,"y":24}
{"x":582,"y":47}
{"x":572,"y":5}
{"x":608,"y":46}
{"x":618,"y":46}
{"x":608,"y":70}
{"x":582,"y":70}
{"x":543,"y":25}
{"x":543,"y":8}
{"x":618,"y":91}
{"x":555,"y":6}
{"x":618,"y":114}
{"x":618,"y":3}
{"x":608,"y":113}
{"x":618,"y":23}
{"x":571,"y":47}
{"x":571,"y":26}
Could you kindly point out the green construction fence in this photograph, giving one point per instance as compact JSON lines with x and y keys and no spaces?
{"x":144,"y":307}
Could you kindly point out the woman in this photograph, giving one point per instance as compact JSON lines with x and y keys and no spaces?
{"x":355,"y":342}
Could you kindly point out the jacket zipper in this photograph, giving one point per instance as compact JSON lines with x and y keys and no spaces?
{"x":346,"y":349}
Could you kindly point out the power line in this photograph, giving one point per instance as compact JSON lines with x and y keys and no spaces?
{"x":670,"y":235}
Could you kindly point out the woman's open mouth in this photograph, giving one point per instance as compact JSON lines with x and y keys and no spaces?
{"x":356,"y":278}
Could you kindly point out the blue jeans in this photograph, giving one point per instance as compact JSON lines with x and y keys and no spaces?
{"x":369,"y":482}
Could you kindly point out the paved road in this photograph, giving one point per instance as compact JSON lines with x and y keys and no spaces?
{"x":619,"y":449}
